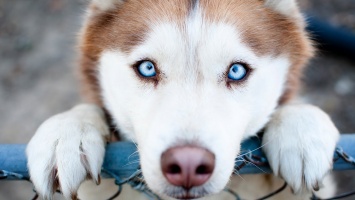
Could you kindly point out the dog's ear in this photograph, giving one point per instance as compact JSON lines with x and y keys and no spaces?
{"x":286,"y":7}
{"x":105,"y":5}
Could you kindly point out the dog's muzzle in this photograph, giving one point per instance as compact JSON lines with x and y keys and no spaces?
{"x":187,"y":166}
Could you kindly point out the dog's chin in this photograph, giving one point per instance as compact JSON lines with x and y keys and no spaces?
{"x":194,"y":193}
{"x":187,"y":196}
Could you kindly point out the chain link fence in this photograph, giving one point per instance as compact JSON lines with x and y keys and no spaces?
{"x":117,"y":165}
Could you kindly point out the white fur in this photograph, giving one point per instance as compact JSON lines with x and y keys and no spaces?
{"x":191,"y":104}
{"x":60,"y":143}
{"x":285,"y":7}
{"x":299,"y":143}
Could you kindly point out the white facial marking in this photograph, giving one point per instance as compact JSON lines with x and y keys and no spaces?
{"x":191,"y":104}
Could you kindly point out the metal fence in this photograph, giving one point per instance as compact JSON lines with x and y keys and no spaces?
{"x":118,"y":165}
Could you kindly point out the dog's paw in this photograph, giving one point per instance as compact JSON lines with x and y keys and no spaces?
{"x":66,"y":149}
{"x":299,"y":143}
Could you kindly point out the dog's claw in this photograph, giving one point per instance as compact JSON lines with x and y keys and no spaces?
{"x":302,"y":161}
{"x":316,"y":187}
{"x":98,"y":180}
{"x":74,"y":196}
{"x":293,"y":191}
{"x":72,"y":152}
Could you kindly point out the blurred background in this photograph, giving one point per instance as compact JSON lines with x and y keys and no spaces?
{"x":38,"y":58}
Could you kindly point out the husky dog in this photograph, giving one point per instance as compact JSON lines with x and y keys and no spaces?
{"x":188,"y":81}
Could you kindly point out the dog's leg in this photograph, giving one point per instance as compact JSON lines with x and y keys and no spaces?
{"x":66,"y":149}
{"x":299,"y":142}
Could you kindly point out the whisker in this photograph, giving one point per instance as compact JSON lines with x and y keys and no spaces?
{"x":131,"y":163}
{"x":237,"y":173}
{"x":135,"y":144}
{"x":254,"y":149}
{"x":136,"y":152}
{"x":248,"y":162}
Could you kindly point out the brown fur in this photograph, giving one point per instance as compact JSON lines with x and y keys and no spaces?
{"x":264,"y":30}
{"x":121,"y":28}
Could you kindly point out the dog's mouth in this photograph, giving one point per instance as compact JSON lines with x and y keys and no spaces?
{"x":187,"y":195}
{"x":182,"y":193}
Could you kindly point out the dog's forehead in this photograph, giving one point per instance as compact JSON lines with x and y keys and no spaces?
{"x":264,"y":30}
{"x":128,"y":25}
{"x":199,"y":48}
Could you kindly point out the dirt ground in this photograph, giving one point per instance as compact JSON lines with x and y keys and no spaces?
{"x":37,"y":71}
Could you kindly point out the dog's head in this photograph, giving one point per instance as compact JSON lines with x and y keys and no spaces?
{"x":188,"y":80}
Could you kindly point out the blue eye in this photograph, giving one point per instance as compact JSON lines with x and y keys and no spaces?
{"x":237,"y":72}
{"x":147,"y":69}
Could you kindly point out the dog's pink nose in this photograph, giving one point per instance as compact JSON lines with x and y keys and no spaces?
{"x":187,"y":166}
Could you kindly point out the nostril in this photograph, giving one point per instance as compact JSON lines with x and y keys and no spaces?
{"x":187,"y":166}
{"x":203,"y":170}
{"x":174,"y":169}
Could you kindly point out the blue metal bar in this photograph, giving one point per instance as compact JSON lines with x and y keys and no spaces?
{"x":120,"y":158}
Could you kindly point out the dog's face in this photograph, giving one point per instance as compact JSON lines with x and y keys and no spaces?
{"x":205,"y":74}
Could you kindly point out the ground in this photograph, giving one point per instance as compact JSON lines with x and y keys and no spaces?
{"x":38,"y":59}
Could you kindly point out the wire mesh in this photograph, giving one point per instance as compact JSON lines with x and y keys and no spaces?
{"x":116,"y":166}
